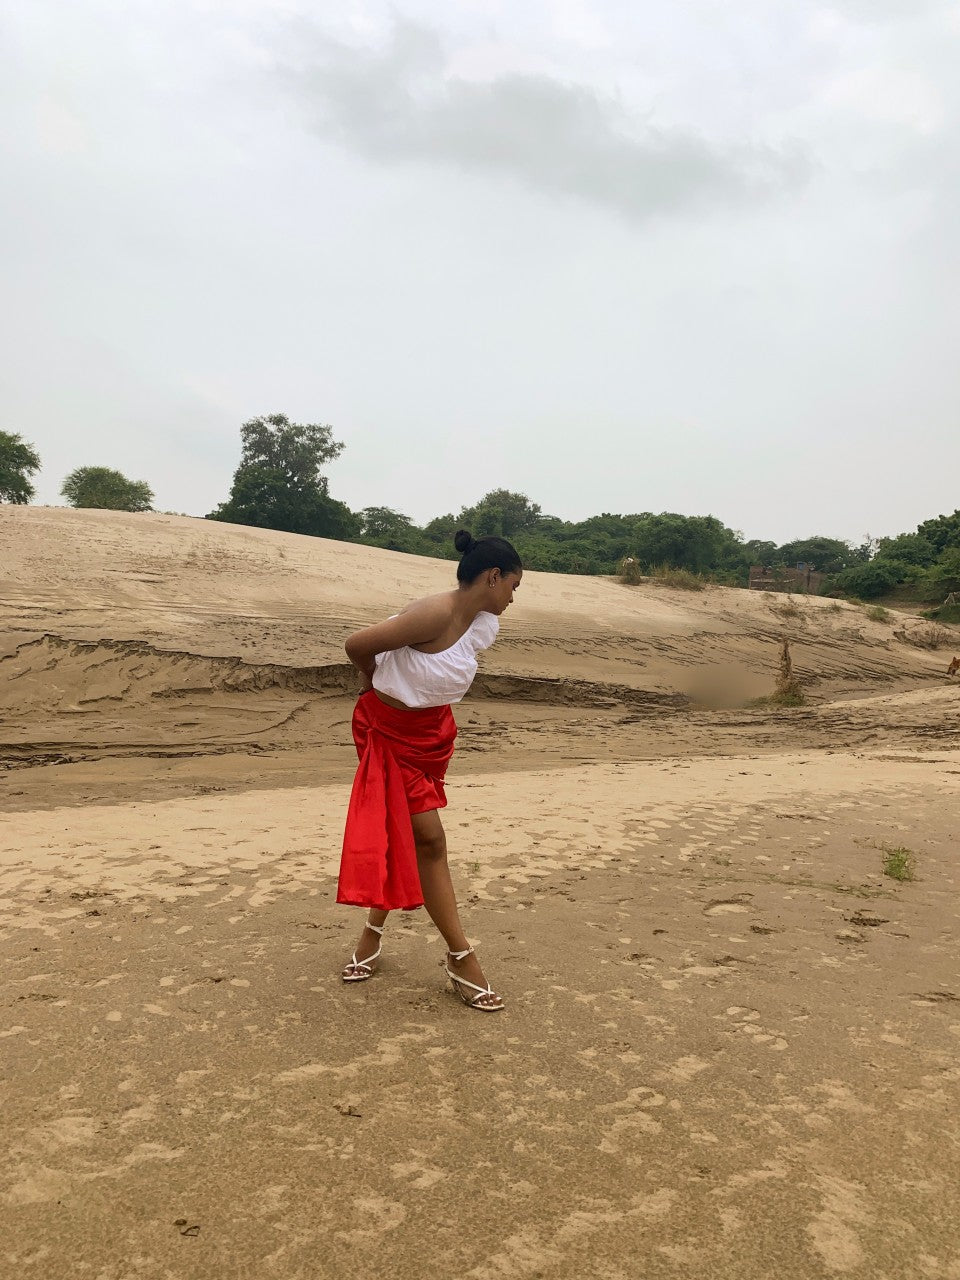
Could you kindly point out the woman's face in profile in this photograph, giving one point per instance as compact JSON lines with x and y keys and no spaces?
{"x":502,"y":590}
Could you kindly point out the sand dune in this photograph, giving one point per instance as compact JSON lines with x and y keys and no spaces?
{"x":731,"y":1042}
{"x":200,"y":587}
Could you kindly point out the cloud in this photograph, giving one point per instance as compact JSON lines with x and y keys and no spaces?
{"x":881,"y":11}
{"x":399,"y":104}
{"x":889,"y":95}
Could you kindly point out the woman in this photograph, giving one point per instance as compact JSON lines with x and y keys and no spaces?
{"x":412,"y":667}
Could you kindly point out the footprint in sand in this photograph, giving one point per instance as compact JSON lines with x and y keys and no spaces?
{"x":739,"y":903}
{"x":417,"y":1174}
{"x":747,"y":1022}
{"x":379,"y":1214}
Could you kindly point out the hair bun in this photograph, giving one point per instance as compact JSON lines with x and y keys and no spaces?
{"x":464,"y":541}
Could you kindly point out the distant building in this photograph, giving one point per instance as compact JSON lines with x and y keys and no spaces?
{"x":779,"y":577}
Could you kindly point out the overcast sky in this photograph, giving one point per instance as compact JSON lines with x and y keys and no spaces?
{"x":618,"y":255}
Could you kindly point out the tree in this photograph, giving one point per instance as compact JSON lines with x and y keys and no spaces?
{"x":384,"y":527}
{"x":261,"y":496}
{"x":613,"y":533}
{"x":298,"y":450}
{"x":944,"y":576}
{"x":18,"y":461}
{"x":942,"y":532}
{"x":828,"y":555}
{"x":105,"y":488}
{"x":438,"y":535}
{"x":502,"y":513}
{"x":541,"y":553}
{"x":697,"y":543}
{"x":758,"y":551}
{"x":908,"y":548}
{"x":873,"y":579}
{"x":279,"y":483}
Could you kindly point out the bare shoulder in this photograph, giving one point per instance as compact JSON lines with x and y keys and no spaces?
{"x":421,"y":622}
{"x":438,"y":607}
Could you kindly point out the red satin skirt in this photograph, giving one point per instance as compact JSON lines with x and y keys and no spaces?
{"x":404,"y":753}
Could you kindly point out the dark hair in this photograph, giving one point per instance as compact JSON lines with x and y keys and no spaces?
{"x":480,"y":554}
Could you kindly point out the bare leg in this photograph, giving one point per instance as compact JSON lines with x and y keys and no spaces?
{"x":369,"y":941}
{"x":439,"y":897}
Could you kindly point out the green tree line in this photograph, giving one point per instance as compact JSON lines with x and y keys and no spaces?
{"x":280,"y":483}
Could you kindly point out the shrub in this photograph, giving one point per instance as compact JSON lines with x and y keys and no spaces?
{"x":908,"y":548}
{"x":630,"y":572}
{"x":930,"y":636}
{"x":944,"y":576}
{"x":897,"y":863}
{"x":934,"y":637}
{"x":875,"y":578}
{"x":877,"y":613}
{"x":788,"y":608}
{"x":106,"y":489}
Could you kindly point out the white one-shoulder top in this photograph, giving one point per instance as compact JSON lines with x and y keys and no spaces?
{"x":434,"y":679}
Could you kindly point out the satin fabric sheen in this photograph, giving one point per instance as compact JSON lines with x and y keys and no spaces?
{"x":404,"y":755}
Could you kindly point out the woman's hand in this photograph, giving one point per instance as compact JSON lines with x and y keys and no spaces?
{"x":365,"y":684}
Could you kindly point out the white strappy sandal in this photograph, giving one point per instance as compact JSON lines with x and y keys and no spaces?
{"x":472,"y":1002}
{"x":361,"y":970}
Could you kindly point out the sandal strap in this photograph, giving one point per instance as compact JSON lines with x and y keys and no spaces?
{"x":475,"y":1000}
{"x":481,"y":991}
{"x":364,"y":964}
{"x":465,"y":982}
{"x":472,"y":1001}
{"x":377,"y":928}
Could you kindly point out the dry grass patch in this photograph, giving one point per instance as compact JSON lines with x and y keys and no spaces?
{"x":787,"y":609}
{"x":681,"y":579}
{"x":630,"y":572}
{"x":931,"y":636}
{"x":666,"y":575}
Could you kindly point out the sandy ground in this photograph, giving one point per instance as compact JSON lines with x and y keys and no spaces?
{"x":731,"y":1043}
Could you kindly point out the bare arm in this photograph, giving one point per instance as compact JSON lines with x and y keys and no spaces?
{"x":419,"y":624}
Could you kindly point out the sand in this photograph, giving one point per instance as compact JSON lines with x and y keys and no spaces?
{"x":731,"y":1043}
